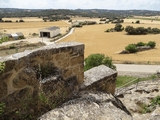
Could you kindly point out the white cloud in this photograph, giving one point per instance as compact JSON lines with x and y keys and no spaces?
{"x":83,"y":4}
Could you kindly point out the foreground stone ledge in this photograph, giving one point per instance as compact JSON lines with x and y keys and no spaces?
{"x":54,"y":71}
{"x":90,"y":106}
{"x":101,"y":78}
{"x":48,"y":47}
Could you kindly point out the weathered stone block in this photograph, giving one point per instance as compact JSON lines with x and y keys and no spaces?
{"x":100,"y":78}
{"x":46,"y":70}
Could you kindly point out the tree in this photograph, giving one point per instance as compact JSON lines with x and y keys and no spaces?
{"x":136,"y":31}
{"x":118,"y":27}
{"x":140,"y":44}
{"x":141,"y":31}
{"x":155,"y":30}
{"x":130,"y":30}
{"x":152,"y":44}
{"x":138,"y":22}
{"x":94,"y":60}
{"x":131,"y":48}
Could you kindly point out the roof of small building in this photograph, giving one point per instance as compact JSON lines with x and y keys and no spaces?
{"x":20,"y":34}
{"x":50,"y":28}
{"x":14,"y":35}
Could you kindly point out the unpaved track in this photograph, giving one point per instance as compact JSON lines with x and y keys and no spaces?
{"x":137,"y":70}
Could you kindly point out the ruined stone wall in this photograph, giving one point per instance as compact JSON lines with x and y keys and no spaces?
{"x":101,"y":78}
{"x":49,"y":74}
{"x":34,"y":82}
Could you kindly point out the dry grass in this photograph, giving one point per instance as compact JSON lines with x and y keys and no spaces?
{"x":82,"y":19}
{"x":97,"y":41}
{"x":26,"y":19}
{"x":28,"y":28}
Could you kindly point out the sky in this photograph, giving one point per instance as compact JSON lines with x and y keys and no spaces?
{"x":82,"y":4}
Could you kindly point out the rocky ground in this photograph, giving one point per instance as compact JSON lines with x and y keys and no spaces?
{"x":137,"y":95}
{"x":103,"y":106}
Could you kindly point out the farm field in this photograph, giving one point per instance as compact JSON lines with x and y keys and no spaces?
{"x":30,"y":27}
{"x":26,"y":19}
{"x":95,"y":39}
{"x":98,"y":41}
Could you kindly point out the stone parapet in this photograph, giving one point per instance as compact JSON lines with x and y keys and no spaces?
{"x":101,"y":78}
{"x":49,"y":74}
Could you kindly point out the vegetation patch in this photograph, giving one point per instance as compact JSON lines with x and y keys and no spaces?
{"x":94,"y":60}
{"x":140,"y":46}
{"x":126,"y":80}
{"x":141,"y":30}
{"x":118,"y":28}
{"x":151,"y":106}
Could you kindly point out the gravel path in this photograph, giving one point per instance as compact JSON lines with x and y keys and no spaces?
{"x":137,"y":70}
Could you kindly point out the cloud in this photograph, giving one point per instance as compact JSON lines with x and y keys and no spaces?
{"x":83,"y":4}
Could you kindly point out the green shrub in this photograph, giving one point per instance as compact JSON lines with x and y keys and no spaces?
{"x":2,"y":107}
{"x":12,"y":46}
{"x":140,"y":44}
{"x":21,"y":20}
{"x":78,"y":26}
{"x":118,"y":27}
{"x":34,"y":34}
{"x":130,"y":30}
{"x":152,"y":44}
{"x":21,"y":37}
{"x":131,"y":48}
{"x":155,"y":30}
{"x":2,"y":67}
{"x":149,"y":29}
{"x":141,"y":30}
{"x":94,"y":60}
{"x":155,"y":101}
{"x":137,"y":22}
{"x":151,"y":107}
{"x":108,"y":30}
{"x":4,"y":39}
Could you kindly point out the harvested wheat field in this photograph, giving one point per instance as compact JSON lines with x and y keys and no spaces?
{"x":26,"y":19}
{"x":98,"y":41}
{"x":28,"y":28}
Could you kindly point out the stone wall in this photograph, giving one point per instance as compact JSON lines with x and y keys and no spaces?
{"x":34,"y":82}
{"x":100,"y":78}
{"x":49,"y":74}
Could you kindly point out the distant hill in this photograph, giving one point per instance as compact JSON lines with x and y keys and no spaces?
{"x":14,"y":12}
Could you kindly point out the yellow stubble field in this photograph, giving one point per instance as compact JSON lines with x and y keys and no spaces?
{"x":98,"y":41}
{"x":32,"y":25}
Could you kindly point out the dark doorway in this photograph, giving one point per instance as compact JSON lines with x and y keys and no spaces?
{"x":45,"y":34}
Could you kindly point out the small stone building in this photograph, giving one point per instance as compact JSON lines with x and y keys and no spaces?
{"x":49,"y":32}
{"x":15,"y":36}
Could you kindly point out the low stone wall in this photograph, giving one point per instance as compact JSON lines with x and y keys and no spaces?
{"x":100,"y":78}
{"x":37,"y":81}
{"x":47,"y":75}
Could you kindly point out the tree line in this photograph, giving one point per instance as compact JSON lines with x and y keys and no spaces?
{"x":12,"y":12}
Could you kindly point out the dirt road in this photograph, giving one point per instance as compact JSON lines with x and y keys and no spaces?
{"x":137,"y":70}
